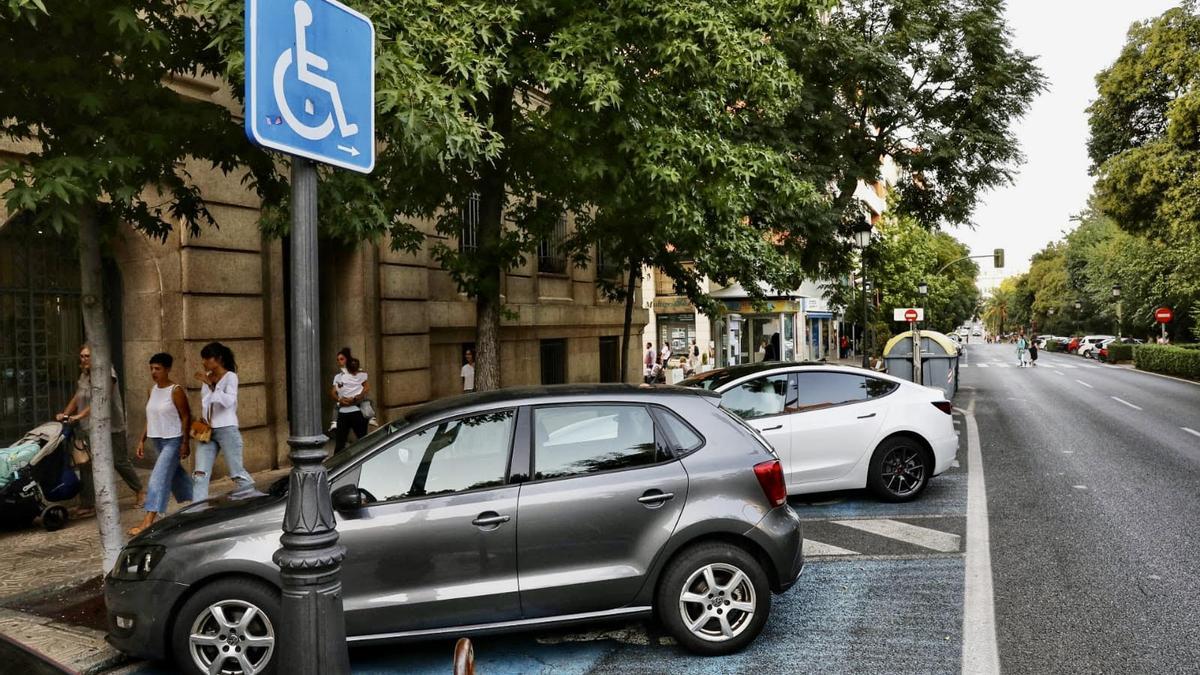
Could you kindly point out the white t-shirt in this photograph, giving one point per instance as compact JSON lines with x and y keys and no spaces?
{"x":349,"y":386}
{"x":220,"y":403}
{"x":666,"y":355}
{"x":468,"y":377}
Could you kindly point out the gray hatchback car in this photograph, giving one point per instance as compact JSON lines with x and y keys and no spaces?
{"x":492,"y":512}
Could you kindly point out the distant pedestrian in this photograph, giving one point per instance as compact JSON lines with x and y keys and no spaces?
{"x":218,"y":405}
{"x":350,"y":387}
{"x":78,"y":411}
{"x":1022,"y":350}
{"x":467,"y":372}
{"x":844,"y":345}
{"x":664,"y":354}
{"x":1033,"y":352}
{"x":648,"y":359}
{"x":168,"y":417}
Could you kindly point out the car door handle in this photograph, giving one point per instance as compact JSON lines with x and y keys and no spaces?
{"x":655,"y":497}
{"x":777,"y":426}
{"x":866,"y":417}
{"x":489,"y":518}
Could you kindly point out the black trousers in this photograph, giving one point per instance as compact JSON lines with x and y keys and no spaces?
{"x":346,"y":422}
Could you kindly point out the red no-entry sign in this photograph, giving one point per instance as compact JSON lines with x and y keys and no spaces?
{"x":910,"y":315}
{"x":1164,"y":315}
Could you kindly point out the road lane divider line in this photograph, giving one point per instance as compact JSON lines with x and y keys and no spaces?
{"x":981,"y":365}
{"x":1059,"y":372}
{"x":924,"y":537}
{"x":817,"y":548}
{"x":1085,"y":384}
{"x":1191,"y":431}
{"x":1121,"y":400}
{"x":980,"y":654}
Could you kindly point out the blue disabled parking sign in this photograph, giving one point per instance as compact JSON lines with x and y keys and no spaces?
{"x":310,"y":81}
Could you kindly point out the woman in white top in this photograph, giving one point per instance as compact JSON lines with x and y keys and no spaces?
{"x":350,"y":387}
{"x":167,"y":418}
{"x":218,"y":405}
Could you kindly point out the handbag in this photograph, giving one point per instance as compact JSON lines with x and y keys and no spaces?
{"x":80,"y":452}
{"x":367,"y":409}
{"x":201,"y":430}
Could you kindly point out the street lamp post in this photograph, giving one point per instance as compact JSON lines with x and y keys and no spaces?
{"x":313,"y":629}
{"x":1116,"y":291}
{"x":862,"y":237}
{"x":1078,"y":306}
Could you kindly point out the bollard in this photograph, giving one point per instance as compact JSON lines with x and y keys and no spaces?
{"x":464,"y":657}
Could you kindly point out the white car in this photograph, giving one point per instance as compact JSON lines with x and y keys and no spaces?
{"x":840,"y":428}
{"x":1090,"y":343}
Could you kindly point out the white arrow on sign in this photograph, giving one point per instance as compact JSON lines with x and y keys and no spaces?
{"x":352,"y":150}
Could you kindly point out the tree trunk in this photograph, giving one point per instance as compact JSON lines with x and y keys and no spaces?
{"x":492,"y":197}
{"x":108,"y":515}
{"x":633,"y":270}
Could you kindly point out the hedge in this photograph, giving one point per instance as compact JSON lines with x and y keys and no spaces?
{"x":1168,"y":360}
{"x":1119,"y":352}
{"x":1052,"y":346}
{"x":1195,"y":345}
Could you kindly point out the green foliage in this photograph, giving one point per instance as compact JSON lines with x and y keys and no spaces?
{"x":1052,"y":347}
{"x":1144,"y":127}
{"x":86,"y":85}
{"x":1118,"y":353}
{"x":1168,"y":360}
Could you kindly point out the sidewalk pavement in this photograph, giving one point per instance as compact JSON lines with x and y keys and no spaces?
{"x":39,"y":563}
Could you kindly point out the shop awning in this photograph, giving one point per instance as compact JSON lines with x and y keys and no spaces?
{"x":819,"y":315}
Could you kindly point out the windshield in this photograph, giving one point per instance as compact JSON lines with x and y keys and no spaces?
{"x":335,"y":462}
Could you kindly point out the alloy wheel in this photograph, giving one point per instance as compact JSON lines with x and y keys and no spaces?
{"x":903,"y":471}
{"x":232,"y":637}
{"x":717,"y":602}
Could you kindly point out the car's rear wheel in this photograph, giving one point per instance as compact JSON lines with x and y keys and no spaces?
{"x":228,"y":627}
{"x":714,"y":599}
{"x":900,"y":469}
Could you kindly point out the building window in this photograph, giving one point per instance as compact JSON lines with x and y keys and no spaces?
{"x":554,"y":361}
{"x":607,"y":265}
{"x":468,"y":241}
{"x":610,"y":359}
{"x":551,"y":257}
{"x":678,"y":331}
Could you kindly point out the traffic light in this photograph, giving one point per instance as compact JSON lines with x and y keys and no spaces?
{"x":998,"y":258}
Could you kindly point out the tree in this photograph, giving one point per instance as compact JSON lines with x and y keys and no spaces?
{"x":88,"y":89}
{"x":932,"y":85}
{"x":1144,"y":127}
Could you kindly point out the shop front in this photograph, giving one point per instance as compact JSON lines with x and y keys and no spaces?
{"x":820,"y":329}
{"x":752,"y":334}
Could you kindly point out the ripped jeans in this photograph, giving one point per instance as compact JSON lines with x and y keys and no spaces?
{"x":229,"y":441}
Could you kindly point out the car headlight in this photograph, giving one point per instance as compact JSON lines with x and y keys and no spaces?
{"x":136,"y":562}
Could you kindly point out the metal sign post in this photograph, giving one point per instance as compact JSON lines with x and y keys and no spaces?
{"x":310,"y":92}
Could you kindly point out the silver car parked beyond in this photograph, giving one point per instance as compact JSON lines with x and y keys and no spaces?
{"x":492,"y":512}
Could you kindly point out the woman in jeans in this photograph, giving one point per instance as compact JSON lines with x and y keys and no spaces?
{"x":167,"y":418}
{"x":218,"y":403}
{"x":350,"y":387}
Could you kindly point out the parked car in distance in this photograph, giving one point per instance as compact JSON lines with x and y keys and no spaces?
{"x":488,"y":512}
{"x":1102,"y":351}
{"x":839,"y":428}
{"x":1090,"y":343}
{"x":1073,"y":345}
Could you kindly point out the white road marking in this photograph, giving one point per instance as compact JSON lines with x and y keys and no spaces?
{"x":1059,"y":372}
{"x":1067,"y":365}
{"x":1068,"y":452}
{"x":1191,"y":431}
{"x":980,"y":656}
{"x":817,"y":548}
{"x":981,"y":365}
{"x":1121,"y":400}
{"x":912,"y":534}
{"x":1085,"y":384}
{"x":1001,"y":365}
{"x":1079,"y":487}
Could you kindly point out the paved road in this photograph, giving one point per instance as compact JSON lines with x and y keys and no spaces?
{"x":1091,"y":477}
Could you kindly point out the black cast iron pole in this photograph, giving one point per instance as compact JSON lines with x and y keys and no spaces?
{"x":312,"y":631}
{"x":866,"y":359}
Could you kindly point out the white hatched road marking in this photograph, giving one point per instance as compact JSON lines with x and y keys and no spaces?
{"x":1121,"y":400}
{"x":817,"y":548}
{"x":1191,"y":431}
{"x":912,"y":534}
{"x":1085,"y":384}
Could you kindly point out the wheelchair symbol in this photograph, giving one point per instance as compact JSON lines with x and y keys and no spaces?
{"x":306,"y":63}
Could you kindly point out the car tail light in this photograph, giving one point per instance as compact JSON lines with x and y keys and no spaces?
{"x":945,"y":406}
{"x":770,"y":477}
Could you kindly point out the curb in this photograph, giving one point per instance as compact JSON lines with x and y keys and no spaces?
{"x":81,"y":649}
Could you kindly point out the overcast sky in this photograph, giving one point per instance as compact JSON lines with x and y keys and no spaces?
{"x":1072,"y":40}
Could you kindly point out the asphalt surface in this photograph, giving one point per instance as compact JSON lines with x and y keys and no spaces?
{"x":1093,"y":513}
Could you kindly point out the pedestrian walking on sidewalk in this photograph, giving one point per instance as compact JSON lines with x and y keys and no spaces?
{"x":168,"y":416}
{"x":78,"y":411}
{"x":218,"y":405}
{"x":350,"y":387}
{"x":467,"y":373}
{"x":648,"y":360}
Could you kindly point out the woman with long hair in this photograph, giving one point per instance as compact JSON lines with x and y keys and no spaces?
{"x":168,"y":418}
{"x":350,"y":387}
{"x":218,"y":405}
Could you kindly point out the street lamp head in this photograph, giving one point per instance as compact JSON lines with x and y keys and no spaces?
{"x":923,"y":288}
{"x":1078,"y":305}
{"x":862,"y":232}
{"x":1050,"y":311}
{"x":1116,"y":290}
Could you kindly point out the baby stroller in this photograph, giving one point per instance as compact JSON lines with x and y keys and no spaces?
{"x":35,"y":471}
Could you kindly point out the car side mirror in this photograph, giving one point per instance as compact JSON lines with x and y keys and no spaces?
{"x":347,"y":498}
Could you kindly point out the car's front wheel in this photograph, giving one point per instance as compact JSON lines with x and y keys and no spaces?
{"x":714,"y":599}
{"x":229,"y":626}
{"x":900,"y":469}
